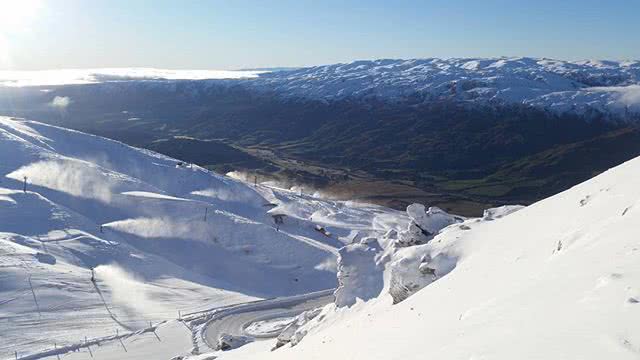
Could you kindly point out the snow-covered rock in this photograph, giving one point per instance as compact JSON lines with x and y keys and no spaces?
{"x":359,"y":273}
{"x":295,"y":332}
{"x":424,"y":225}
{"x":411,"y":269}
{"x":230,"y":342}
{"x":363,"y":266}
{"x":501,"y":211}
{"x":432,"y":220}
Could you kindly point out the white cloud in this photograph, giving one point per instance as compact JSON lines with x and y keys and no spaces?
{"x":630,"y":95}
{"x":89,"y":76}
{"x":60,"y":102}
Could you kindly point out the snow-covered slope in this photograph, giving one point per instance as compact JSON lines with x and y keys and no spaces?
{"x":561,"y":86}
{"x":559,"y":279}
{"x":555,"y":280}
{"x":162,"y":236}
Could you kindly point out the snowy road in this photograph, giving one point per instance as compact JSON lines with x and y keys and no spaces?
{"x":236,"y":320}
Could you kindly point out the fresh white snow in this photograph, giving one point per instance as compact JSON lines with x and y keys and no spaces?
{"x":555,"y":280}
{"x":163,"y":239}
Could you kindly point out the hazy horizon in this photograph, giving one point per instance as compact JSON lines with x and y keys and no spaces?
{"x":284,"y":67}
{"x":247,"y":34}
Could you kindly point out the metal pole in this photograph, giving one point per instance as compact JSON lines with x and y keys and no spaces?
{"x":35,"y":299}
{"x":121,"y":343}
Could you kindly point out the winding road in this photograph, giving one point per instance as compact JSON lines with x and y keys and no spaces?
{"x":235,"y":320}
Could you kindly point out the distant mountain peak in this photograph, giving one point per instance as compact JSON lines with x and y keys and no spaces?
{"x":582,"y":87}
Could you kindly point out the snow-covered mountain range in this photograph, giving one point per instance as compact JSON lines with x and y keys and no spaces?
{"x":587,"y":88}
{"x":561,"y":86}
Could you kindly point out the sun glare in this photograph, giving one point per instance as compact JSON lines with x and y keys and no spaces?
{"x":16,"y":15}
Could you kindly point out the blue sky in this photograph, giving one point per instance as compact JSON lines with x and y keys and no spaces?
{"x":218,"y":34}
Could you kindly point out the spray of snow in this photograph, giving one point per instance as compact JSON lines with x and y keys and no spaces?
{"x":226,"y":194}
{"x":239,"y":175}
{"x":329,"y":264}
{"x":285,"y":184}
{"x":161,"y":228}
{"x":129,"y":291}
{"x":71,"y":177}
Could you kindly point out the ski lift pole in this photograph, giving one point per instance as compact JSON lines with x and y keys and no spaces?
{"x":35,"y":299}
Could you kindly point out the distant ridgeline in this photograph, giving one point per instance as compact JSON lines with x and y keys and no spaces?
{"x":463,"y":134}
